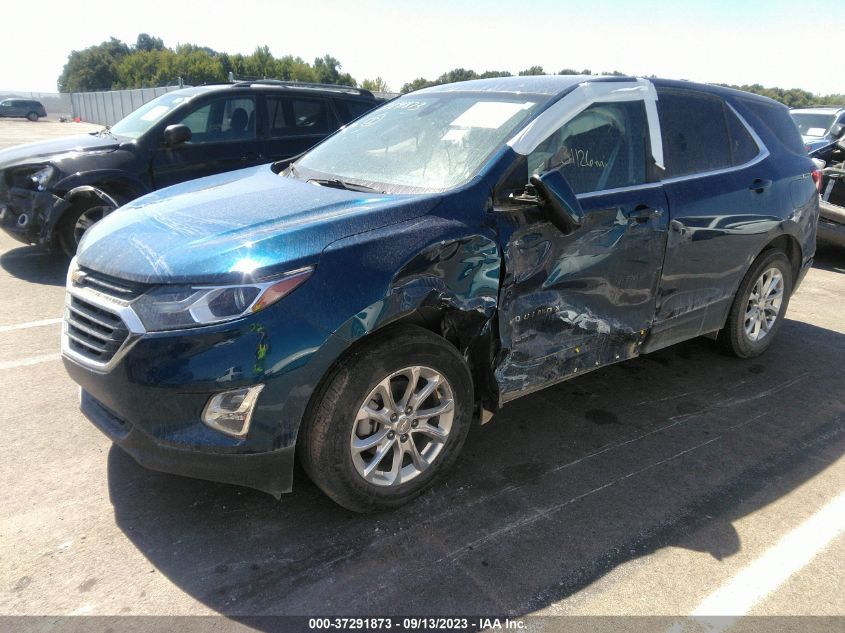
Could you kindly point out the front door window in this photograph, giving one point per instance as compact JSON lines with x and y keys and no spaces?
{"x":231,"y":119}
{"x":603,"y":147}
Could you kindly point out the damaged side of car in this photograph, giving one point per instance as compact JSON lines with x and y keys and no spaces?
{"x":461,"y":247}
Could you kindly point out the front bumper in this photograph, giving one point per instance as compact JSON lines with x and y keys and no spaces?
{"x":270,"y":471}
{"x":30,"y":216}
{"x":150,"y":395}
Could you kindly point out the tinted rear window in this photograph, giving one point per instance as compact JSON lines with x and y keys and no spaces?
{"x":350,"y":110}
{"x":743,"y":146}
{"x":776,"y":119}
{"x":695,"y":135}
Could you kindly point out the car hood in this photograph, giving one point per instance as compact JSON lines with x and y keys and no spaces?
{"x":248,"y":223}
{"x":42,"y":151}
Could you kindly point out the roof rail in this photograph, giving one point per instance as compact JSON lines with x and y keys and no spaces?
{"x":304,"y":84}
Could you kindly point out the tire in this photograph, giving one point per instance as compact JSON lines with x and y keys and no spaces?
{"x":32,"y":116}
{"x":336,"y":427}
{"x":78,"y":219}
{"x":749,"y":331}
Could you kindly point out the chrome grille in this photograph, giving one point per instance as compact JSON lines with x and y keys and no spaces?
{"x":93,"y":332}
{"x":118,"y":288}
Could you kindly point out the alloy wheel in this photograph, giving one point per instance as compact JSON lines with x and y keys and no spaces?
{"x":764,"y":303}
{"x":87,"y":219}
{"x":402,"y":426}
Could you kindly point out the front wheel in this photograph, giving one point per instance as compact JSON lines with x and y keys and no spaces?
{"x":389,"y":420}
{"x":76,"y":221}
{"x":759,"y":307}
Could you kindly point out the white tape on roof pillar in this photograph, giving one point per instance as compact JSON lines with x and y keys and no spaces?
{"x":579,"y":100}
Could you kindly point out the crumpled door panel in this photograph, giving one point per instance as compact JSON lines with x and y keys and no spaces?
{"x":572,"y":303}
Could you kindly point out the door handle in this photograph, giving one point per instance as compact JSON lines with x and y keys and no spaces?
{"x":759,"y":185}
{"x":248,"y":157}
{"x":643,"y":213}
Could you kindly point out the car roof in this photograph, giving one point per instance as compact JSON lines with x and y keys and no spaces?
{"x":271,"y":85}
{"x":557,"y":85}
{"x":550,"y":85}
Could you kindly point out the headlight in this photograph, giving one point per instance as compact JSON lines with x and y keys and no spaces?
{"x":41,"y":177}
{"x":30,"y":176}
{"x":177,"y":307}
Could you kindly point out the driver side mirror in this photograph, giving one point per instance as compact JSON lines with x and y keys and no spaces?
{"x":558,"y":201}
{"x":176,"y":135}
{"x":838,"y":130}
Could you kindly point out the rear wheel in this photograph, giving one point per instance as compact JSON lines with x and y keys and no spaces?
{"x":759,"y":306}
{"x":32,"y":116}
{"x":77,"y":220}
{"x":390,"y":419}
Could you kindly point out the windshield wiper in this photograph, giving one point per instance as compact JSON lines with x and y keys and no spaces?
{"x":106,"y":131}
{"x":342,"y":184}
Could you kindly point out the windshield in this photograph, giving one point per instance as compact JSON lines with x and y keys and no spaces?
{"x":810,"y":124}
{"x":142,"y":119}
{"x":419,"y":143}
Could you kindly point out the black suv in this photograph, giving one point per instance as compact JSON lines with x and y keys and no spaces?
{"x":27,"y":108}
{"x":51,"y":192}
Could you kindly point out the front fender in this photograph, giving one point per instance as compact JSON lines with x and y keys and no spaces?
{"x":111,"y":187}
{"x":116,"y":182}
{"x":433,"y":271}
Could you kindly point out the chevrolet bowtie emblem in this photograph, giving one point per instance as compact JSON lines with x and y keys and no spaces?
{"x":77,"y":277}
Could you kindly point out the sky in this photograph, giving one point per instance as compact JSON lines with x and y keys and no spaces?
{"x":774,"y":42}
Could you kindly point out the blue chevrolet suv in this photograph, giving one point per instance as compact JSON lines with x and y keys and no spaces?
{"x":457,"y":248}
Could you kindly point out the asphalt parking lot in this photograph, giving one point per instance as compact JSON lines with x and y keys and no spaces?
{"x":684,"y":481}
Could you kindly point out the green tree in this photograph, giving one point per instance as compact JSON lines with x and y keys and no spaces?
{"x":417,"y":84}
{"x":534,"y":70}
{"x":487,"y":74}
{"x":455,"y":75}
{"x":94,"y":68}
{"x":146,"y":68}
{"x":146,"y":42}
{"x":260,"y":64}
{"x":114,"y":64}
{"x":452,"y":76}
{"x":196,"y":66}
{"x":375,"y":85}
{"x":327,"y":71}
{"x":296,"y":69}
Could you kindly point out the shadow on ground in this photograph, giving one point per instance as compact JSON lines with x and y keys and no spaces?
{"x":559,"y":489}
{"x":36,"y":265}
{"x":831,"y":258}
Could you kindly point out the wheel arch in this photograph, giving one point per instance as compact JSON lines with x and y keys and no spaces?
{"x":112,"y":189}
{"x":790,"y":246}
{"x":450,"y":288}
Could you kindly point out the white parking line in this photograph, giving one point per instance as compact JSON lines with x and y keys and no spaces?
{"x":24,"y":326}
{"x":770,"y":571}
{"x":32,"y":360}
